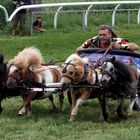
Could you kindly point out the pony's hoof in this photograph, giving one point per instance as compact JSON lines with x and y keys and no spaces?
{"x":20,"y":114}
{"x":129,"y":112}
{"x":72,"y":118}
{"x":101,"y":119}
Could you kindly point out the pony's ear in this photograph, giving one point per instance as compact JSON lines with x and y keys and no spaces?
{"x":113,"y":58}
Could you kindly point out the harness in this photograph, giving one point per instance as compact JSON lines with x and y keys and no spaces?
{"x":111,"y":74}
{"x":84,"y":77}
{"x":65,"y":70}
{"x":18,"y":77}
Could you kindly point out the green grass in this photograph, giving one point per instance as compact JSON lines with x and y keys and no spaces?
{"x":45,"y":124}
{"x":59,"y":45}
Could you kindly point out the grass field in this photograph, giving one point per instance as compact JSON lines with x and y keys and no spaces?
{"x":58,"y":45}
{"x":47,"y":125}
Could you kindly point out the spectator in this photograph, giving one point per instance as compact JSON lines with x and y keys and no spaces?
{"x":37,"y":25}
{"x":20,"y":16}
{"x":107,"y":38}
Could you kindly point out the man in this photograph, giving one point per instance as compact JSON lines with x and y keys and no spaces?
{"x":37,"y":24}
{"x":108,"y":39}
{"x":20,"y":16}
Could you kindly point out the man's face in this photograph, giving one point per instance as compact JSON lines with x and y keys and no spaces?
{"x":39,"y":19}
{"x":104,"y":36}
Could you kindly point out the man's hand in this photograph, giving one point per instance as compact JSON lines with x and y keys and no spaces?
{"x":116,"y":45}
{"x":21,"y":3}
{"x":43,"y":30}
{"x":14,"y":2}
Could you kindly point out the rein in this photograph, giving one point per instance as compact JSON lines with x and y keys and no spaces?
{"x":83,"y":80}
{"x":109,"y":48}
{"x":104,"y":55}
{"x":65,"y":70}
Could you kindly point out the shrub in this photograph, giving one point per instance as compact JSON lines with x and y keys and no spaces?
{"x":9,"y":7}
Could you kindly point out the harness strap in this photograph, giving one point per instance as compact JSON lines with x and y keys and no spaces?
{"x":109,"y":48}
{"x":64,"y":75}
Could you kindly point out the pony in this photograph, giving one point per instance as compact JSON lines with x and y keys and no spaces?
{"x":77,"y":71}
{"x":121,"y":80}
{"x":26,"y":69}
{"x":6,"y":92}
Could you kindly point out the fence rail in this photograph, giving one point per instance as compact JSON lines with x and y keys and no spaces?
{"x":60,"y":6}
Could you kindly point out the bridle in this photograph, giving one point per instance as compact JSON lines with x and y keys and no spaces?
{"x":65,"y":70}
{"x":17,"y":75}
{"x":73,"y":79}
{"x":111,"y":73}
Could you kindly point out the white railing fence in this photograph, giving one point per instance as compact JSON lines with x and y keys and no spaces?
{"x":60,"y":6}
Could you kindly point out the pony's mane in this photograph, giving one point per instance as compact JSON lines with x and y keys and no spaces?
{"x":123,"y":70}
{"x":74,"y":58}
{"x":28,"y":57}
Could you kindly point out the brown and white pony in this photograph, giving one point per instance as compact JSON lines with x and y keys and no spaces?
{"x":26,"y":70}
{"x":77,"y":71}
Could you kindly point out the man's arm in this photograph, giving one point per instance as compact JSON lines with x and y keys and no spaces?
{"x":133,"y":46}
{"x":119,"y":43}
{"x":86,"y":44}
{"x":126,"y":46}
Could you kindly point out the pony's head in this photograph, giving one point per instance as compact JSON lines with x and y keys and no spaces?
{"x":108,"y":72}
{"x":14,"y":76}
{"x":75,"y":70}
{"x":115,"y":71}
{"x":18,"y":67}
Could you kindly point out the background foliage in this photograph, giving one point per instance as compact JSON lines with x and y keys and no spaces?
{"x":70,"y":21}
{"x":8,"y":5}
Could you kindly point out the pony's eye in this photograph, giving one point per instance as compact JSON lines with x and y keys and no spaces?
{"x":16,"y":71}
{"x":71,"y":72}
{"x":111,"y":69}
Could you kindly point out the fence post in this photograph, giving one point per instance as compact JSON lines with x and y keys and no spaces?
{"x":113,"y":15}
{"x":138,"y":17}
{"x":55,"y":17}
{"x":5,"y":12}
{"x":129,"y":17}
{"x":83,"y":21}
{"x":86,"y":15}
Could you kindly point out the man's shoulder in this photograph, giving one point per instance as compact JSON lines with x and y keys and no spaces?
{"x":95,"y":38}
{"x":95,"y":42}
